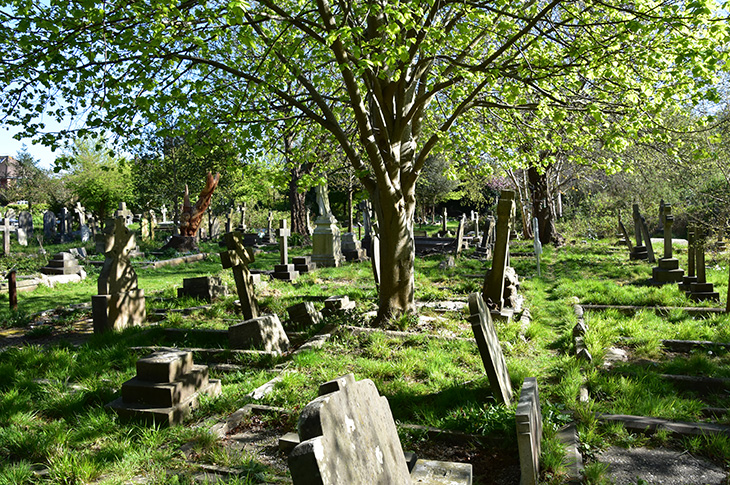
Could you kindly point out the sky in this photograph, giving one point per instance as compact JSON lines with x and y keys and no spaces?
{"x":11,"y":146}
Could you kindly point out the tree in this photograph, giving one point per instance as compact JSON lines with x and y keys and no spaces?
{"x":435,"y":184}
{"x":33,"y":184}
{"x":399,"y":76}
{"x":97,"y":178}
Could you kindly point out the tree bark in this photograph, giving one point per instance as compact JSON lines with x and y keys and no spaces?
{"x":397,"y":254}
{"x":542,"y":206}
{"x":296,"y":199}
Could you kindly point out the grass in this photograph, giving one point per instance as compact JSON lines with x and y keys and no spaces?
{"x":52,"y":396}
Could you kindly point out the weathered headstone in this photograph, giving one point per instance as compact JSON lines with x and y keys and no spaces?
{"x":326,"y":249}
{"x":303,"y":264}
{"x":348,"y":436}
{"x":640,"y":251}
{"x":83,"y":227}
{"x":351,"y":248}
{"x":690,"y":277}
{"x":64,"y":225}
{"x":304,"y":315}
{"x":166,"y":389}
{"x":284,"y":270}
{"x":49,"y":225}
{"x":668,"y":270}
{"x":238,"y":257}
{"x":493,"y":289}
{"x":6,"y":228}
{"x":120,"y":303}
{"x":490,"y":349}
{"x":647,"y":241}
{"x":215,"y":227}
{"x":206,"y":288}
{"x":701,"y":290}
{"x":487,"y":240}
{"x":262,"y":333}
{"x":460,"y":235}
{"x":25,"y":227}
{"x":124,"y":213}
{"x":529,"y":432}
{"x":340,"y":303}
{"x":62,"y":263}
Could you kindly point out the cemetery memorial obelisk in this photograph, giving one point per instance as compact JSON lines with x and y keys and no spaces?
{"x":668,"y":270}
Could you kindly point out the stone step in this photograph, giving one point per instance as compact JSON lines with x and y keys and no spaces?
{"x":165,"y":394}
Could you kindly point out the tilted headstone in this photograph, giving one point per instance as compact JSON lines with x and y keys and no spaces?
{"x":326,"y":242}
{"x":166,"y":388}
{"x":529,"y":432}
{"x":340,"y":303}
{"x":487,"y":240}
{"x":25,"y":227}
{"x":647,"y":241}
{"x":49,"y":225}
{"x":206,"y":288}
{"x":690,"y":277}
{"x":304,"y":315}
{"x":284,"y":270}
{"x":668,"y":270}
{"x":493,"y":288}
{"x":536,"y":243}
{"x":490,"y":349}
{"x":238,"y":257}
{"x":639,"y":251}
{"x":460,"y":235}
{"x":348,"y":436}
{"x":120,"y":303}
{"x":262,"y":333}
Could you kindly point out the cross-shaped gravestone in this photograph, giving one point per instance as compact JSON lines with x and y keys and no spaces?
{"x":6,"y":228}
{"x":283,"y":234}
{"x":65,"y":222}
{"x":164,"y":213}
{"x":117,"y":274}
{"x":238,"y":257}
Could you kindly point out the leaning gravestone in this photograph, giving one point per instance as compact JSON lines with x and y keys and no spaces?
{"x":639,"y":250}
{"x":494,"y":281}
{"x":166,"y":389}
{"x":348,"y":436}
{"x":120,"y":303}
{"x":460,"y":235}
{"x":238,"y":257}
{"x":304,"y":315}
{"x":49,"y":225}
{"x":690,"y":277}
{"x":262,"y":333}
{"x":490,"y":349}
{"x":529,"y":432}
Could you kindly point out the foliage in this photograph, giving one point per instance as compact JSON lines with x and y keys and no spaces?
{"x":436,"y":182}
{"x":97,"y":178}
{"x":33,"y":184}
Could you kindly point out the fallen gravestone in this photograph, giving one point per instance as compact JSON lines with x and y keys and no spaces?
{"x":336,"y":304}
{"x":166,"y":388}
{"x":490,"y":349}
{"x":529,"y":431}
{"x":262,"y":333}
{"x":238,"y":258}
{"x":304,"y":315}
{"x":348,"y":436}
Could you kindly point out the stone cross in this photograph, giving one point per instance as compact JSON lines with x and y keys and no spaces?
{"x":6,"y":228}
{"x":493,"y":289}
{"x":163,"y":211}
{"x":536,"y":242}
{"x":238,"y":257}
{"x":668,"y":222}
{"x":283,"y":234}
{"x":117,"y":274}
{"x":65,"y":222}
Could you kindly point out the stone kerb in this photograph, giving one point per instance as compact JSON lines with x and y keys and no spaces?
{"x":529,"y":431}
{"x":490,"y":349}
{"x":348,"y":436}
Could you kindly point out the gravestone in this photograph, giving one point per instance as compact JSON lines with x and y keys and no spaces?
{"x":242,"y":210}
{"x":375,"y":256}
{"x":284,"y":270}
{"x":6,"y":228}
{"x":494,"y":281}
{"x":337,"y":304}
{"x":215,"y":227}
{"x":529,"y":432}
{"x":701,"y":290}
{"x":487,"y":241}
{"x":229,"y":220}
{"x":690,"y":277}
{"x":49,"y":225}
{"x":326,"y":249}
{"x":270,"y":239}
{"x":444,"y":232}
{"x":84,"y":232}
{"x":64,"y":225}
{"x":640,"y":252}
{"x":668,"y":270}
{"x":303,"y":264}
{"x":163,"y":211}
{"x":206,"y":288}
{"x":647,"y":241}
{"x":304,"y":315}
{"x":62,"y":263}
{"x":238,"y":257}
{"x":120,"y":303}
{"x":348,"y":436}
{"x":25,"y":227}
{"x":460,"y":235}
{"x":166,"y":388}
{"x":262,"y":333}
{"x":352,"y":249}
{"x":124,"y":213}
{"x":626,"y":238}
{"x":144,"y":229}
{"x":490,"y":349}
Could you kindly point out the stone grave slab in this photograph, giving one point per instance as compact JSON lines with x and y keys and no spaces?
{"x":490,"y":349}
{"x":348,"y":436}
{"x":262,"y":333}
{"x":166,"y":388}
{"x":303,"y":264}
{"x":529,"y":431}
{"x":336,"y":304}
{"x":304,"y":314}
{"x":206,"y":288}
{"x":62,"y":263}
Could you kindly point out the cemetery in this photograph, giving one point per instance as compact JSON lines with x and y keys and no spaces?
{"x":350,"y":243}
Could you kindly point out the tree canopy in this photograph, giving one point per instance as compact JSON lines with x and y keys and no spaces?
{"x":387,"y":80}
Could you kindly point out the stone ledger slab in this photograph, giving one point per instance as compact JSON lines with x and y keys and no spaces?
{"x":262,"y":333}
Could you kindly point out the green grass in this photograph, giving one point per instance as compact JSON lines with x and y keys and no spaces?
{"x":52,"y":397}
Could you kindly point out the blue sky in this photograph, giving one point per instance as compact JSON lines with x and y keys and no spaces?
{"x":11,"y":146}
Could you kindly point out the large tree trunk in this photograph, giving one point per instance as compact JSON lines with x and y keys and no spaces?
{"x":397,"y":254}
{"x":296,"y":198}
{"x":542,"y":206}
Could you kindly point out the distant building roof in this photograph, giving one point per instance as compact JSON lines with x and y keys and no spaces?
{"x":8,"y":169}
